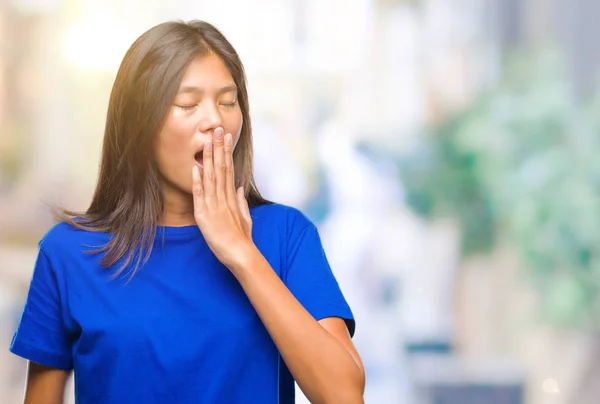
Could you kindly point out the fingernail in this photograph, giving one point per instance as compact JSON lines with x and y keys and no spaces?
{"x":208,"y":145}
{"x":228,"y":139}
{"x":219,"y":132}
{"x":195,"y":172}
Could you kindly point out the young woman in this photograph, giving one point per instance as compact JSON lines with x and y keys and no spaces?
{"x":180,"y":283}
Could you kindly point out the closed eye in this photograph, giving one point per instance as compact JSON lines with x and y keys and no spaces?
{"x":230,"y":105}
{"x":186,"y":107}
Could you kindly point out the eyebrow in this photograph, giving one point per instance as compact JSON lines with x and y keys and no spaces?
{"x":192,"y":89}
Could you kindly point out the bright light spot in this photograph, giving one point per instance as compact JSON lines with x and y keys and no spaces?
{"x":550,"y":386}
{"x":95,"y":44}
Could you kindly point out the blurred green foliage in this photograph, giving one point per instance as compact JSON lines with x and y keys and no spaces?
{"x":523,"y":162}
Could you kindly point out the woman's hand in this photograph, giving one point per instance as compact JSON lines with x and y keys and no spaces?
{"x":222,"y":214}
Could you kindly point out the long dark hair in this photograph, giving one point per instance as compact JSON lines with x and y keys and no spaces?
{"x":128,"y":202}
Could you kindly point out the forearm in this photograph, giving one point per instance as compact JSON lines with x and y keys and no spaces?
{"x":45,"y":385}
{"x":323,"y":368}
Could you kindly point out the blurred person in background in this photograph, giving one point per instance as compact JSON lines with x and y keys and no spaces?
{"x":180,"y":283}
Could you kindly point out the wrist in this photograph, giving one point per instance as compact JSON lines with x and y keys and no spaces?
{"x":245,"y":258}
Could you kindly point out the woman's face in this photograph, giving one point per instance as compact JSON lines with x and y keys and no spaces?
{"x":207,"y":99}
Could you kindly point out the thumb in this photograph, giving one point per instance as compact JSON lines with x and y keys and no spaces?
{"x":244,"y":209}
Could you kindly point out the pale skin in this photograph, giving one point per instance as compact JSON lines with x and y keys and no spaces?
{"x":319,"y":354}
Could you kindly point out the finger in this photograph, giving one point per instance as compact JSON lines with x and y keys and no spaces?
{"x":219,"y":164}
{"x":198,"y":192}
{"x":208,"y":179}
{"x":244,"y":210}
{"x":229,"y":173}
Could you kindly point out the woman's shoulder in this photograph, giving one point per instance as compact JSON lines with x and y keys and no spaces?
{"x":64,"y":236}
{"x":279,"y":214}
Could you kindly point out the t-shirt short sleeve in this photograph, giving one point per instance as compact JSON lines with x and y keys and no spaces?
{"x":309,"y":276}
{"x":41,"y":336}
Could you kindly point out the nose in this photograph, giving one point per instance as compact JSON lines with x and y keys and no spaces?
{"x":209,"y":117}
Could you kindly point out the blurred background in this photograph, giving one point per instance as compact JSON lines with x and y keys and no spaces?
{"x":447,"y":150}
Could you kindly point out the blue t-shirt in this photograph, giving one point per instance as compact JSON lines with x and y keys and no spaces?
{"x":182,"y":330}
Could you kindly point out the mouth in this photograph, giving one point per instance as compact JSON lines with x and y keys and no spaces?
{"x":198,"y":158}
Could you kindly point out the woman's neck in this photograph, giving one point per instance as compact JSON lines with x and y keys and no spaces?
{"x":179,"y":209}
